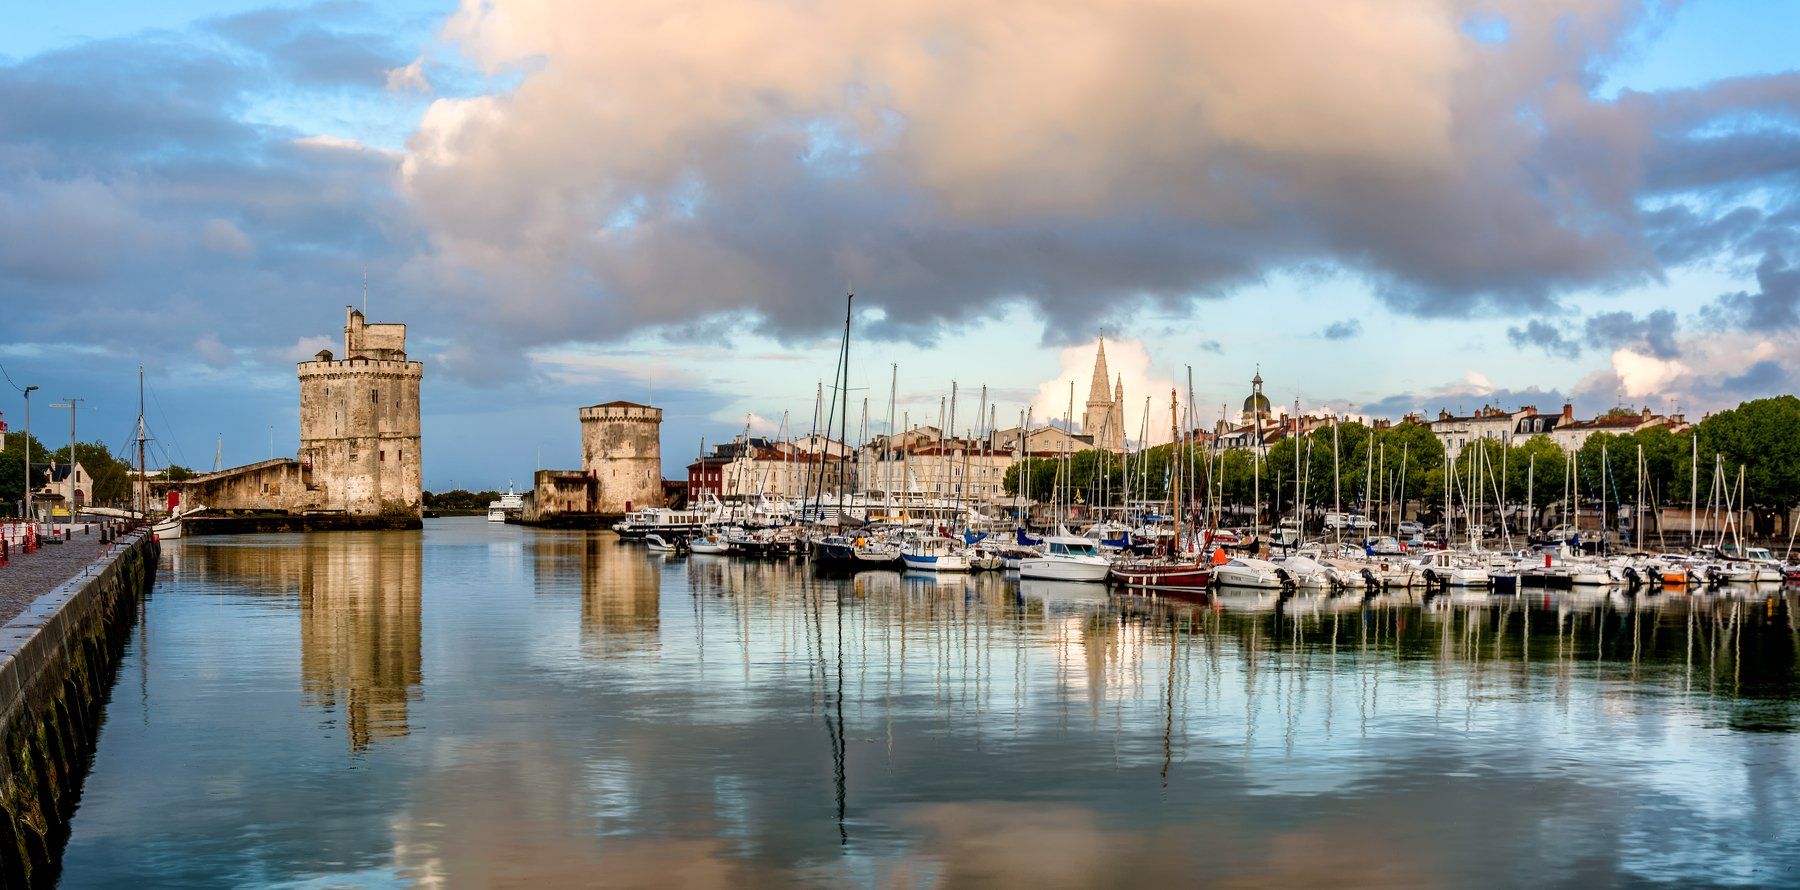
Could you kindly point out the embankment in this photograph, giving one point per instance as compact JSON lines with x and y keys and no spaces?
{"x":57,"y":662}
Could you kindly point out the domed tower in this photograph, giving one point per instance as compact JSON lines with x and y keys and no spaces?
{"x":1256,"y":405}
{"x":359,"y":422}
{"x":621,"y":451}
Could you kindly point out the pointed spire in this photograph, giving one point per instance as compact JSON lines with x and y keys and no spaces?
{"x":1097,"y":393}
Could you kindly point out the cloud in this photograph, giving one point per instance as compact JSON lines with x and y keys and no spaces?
{"x":1654,"y":333}
{"x":1546,"y":336}
{"x":1643,"y":375}
{"x":1342,"y":330}
{"x":409,"y":77}
{"x":221,"y":236}
{"x":1128,"y":361}
{"x":1774,"y":306}
{"x":648,"y":164}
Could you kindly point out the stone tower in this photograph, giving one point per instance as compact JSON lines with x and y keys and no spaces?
{"x":621,"y":452}
{"x":1104,"y":419}
{"x":359,"y":422}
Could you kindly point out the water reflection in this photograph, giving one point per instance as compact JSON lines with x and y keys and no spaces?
{"x":559,"y":708}
{"x":359,"y":634}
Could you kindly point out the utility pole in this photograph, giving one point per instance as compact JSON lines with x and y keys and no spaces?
{"x":28,"y":391}
{"x":71,"y":403}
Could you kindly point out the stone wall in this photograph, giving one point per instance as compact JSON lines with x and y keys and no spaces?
{"x":57,"y":663}
{"x":283,"y":485}
{"x":621,"y":450}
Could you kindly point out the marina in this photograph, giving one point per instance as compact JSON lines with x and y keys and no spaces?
{"x":510,"y":705}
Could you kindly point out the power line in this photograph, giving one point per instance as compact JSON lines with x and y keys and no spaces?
{"x":9,"y":380}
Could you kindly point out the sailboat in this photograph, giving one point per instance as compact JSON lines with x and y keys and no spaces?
{"x":1177,"y":570}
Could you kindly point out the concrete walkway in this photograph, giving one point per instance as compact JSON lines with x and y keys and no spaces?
{"x":28,"y":576}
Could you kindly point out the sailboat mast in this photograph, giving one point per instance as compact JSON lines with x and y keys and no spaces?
{"x":143,"y":492}
{"x":843,"y":411}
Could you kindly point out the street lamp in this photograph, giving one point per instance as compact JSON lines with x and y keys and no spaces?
{"x":28,"y":391}
{"x":71,"y":403}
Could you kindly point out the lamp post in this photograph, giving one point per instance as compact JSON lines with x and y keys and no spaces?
{"x":28,"y":391}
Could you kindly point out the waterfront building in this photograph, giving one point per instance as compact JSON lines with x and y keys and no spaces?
{"x":1491,"y":422}
{"x":361,"y":454}
{"x":359,"y":422}
{"x":1571,"y":434}
{"x":62,"y":483}
{"x":621,"y":469}
{"x":621,"y":451}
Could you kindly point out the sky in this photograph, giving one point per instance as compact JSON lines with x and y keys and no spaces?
{"x":1385,"y":206}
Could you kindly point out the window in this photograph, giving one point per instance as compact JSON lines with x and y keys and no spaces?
{"x":374,"y":397}
{"x":382,"y":456}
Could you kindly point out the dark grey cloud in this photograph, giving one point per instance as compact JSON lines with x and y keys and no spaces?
{"x":1654,"y":332}
{"x":1765,"y":378}
{"x":1773,"y":306}
{"x":1546,"y":336}
{"x":1343,"y":329}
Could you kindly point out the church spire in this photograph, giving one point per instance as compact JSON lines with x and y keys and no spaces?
{"x":1097,"y":391}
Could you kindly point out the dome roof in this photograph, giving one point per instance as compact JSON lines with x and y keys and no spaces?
{"x":1257,"y":403}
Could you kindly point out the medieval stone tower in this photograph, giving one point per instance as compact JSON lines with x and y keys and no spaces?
{"x":359,"y":422}
{"x":1104,"y":419}
{"x":621,"y":451}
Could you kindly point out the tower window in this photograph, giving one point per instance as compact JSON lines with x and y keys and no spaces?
{"x":374,"y":397}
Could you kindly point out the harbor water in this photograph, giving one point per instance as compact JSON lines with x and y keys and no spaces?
{"x":479,"y":704}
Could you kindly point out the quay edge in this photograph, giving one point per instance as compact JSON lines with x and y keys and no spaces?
{"x":58,"y":660}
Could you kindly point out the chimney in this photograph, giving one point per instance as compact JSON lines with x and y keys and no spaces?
{"x":1568,"y":411}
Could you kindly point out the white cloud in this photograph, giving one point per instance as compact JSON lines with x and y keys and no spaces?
{"x":409,"y":77}
{"x":1643,"y":375}
{"x":1129,"y":362}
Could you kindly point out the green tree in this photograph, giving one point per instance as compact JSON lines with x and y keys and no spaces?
{"x":12,"y":470}
{"x":1762,"y":437}
{"x":112,"y":476}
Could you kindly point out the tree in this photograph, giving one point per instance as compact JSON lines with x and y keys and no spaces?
{"x":1762,"y":437}
{"x":112,"y":476}
{"x":12,"y":470}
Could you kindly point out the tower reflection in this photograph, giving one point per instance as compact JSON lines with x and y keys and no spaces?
{"x":360,"y":631}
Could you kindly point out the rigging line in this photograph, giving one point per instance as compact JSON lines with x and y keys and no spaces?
{"x":9,"y":380}
{"x":167,"y":425}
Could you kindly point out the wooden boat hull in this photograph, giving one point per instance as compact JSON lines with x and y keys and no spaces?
{"x":1162,"y":577}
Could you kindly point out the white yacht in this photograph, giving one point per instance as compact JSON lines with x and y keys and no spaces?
{"x":1452,"y":569}
{"x":1245,"y":571}
{"x":1067,"y":558}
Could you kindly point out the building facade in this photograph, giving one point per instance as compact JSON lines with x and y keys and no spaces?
{"x":359,"y":423}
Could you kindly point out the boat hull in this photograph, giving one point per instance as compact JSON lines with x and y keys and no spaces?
{"x":922,"y":563}
{"x":1162,"y":577}
{"x":1051,"y":569}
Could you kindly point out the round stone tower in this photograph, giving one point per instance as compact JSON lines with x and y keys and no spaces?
{"x":359,"y":422}
{"x":621,"y":451}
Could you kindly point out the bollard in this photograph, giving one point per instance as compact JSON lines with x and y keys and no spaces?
{"x":2,"y":550}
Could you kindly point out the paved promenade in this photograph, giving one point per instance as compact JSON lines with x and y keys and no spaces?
{"x":29,"y":575}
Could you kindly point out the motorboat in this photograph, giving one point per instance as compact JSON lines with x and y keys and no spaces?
{"x":1448,"y":568}
{"x":659,"y":543}
{"x":713,"y":542}
{"x":1246,"y":571}
{"x":935,"y":553}
{"x":1067,"y":558}
{"x":1306,"y":572}
{"x":834,"y":550}
{"x":985,"y":558}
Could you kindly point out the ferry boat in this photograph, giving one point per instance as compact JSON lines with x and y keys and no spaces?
{"x":660,"y":520}
{"x":510,"y":502}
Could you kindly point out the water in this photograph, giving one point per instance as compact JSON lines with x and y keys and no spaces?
{"x":480,"y":704}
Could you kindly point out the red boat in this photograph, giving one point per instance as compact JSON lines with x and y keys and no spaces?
{"x":1160,"y":575}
